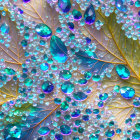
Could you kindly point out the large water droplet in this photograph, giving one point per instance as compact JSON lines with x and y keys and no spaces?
{"x":122,"y":71}
{"x":58,"y":49}
{"x":64,"y":5}
{"x":10,"y":71}
{"x":43,"y":30}
{"x":67,"y":87}
{"x":65,"y":130}
{"x":110,"y":133}
{"x":43,"y":131}
{"x":90,"y":15}
{"x":120,"y":5}
{"x":47,"y":87}
{"x":4,"y":28}
{"x":79,"y":96}
{"x":65,"y":74}
{"x":127,"y":92}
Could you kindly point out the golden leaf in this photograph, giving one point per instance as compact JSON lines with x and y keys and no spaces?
{"x":14,"y":54}
{"x":40,"y":12}
{"x":9,"y":91}
{"x":114,"y":46}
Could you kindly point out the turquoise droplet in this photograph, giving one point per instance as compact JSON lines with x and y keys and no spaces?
{"x":67,"y":87}
{"x":28,"y":82}
{"x":64,"y":106}
{"x":65,"y":74}
{"x":79,"y":96}
{"x":136,"y":135}
{"x":96,"y":78}
{"x":82,"y":81}
{"x":90,"y":15}
{"x":137,"y":125}
{"x":58,"y":49}
{"x":47,"y":87}
{"x":65,"y":130}
{"x":4,"y":28}
{"x":64,"y":5}
{"x":120,"y":5}
{"x":137,"y":3}
{"x":43,"y":131}
{"x":43,"y":30}
{"x":127,"y":92}
{"x":76,"y":14}
{"x":10,"y":71}
{"x":44,"y":66}
{"x":110,"y":133}
{"x":122,"y":71}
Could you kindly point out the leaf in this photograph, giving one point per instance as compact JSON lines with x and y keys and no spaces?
{"x":90,"y":61}
{"x":121,"y":109}
{"x":116,"y":48}
{"x":37,"y":119}
{"x":58,"y":49}
{"x":40,"y":12}
{"x":11,"y":51}
{"x":9,"y":91}
{"x":112,"y":43}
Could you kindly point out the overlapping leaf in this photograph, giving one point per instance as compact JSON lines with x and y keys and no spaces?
{"x":40,"y":12}
{"x":9,"y":91}
{"x":13,"y":54}
{"x":112,"y":43}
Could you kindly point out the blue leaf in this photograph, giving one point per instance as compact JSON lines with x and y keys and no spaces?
{"x":90,"y":61}
{"x":58,"y":49}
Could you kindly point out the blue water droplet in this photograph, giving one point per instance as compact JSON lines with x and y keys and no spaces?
{"x":127,"y":92}
{"x":122,"y":71}
{"x":90,"y":15}
{"x":44,"y":66}
{"x":67,"y":87}
{"x":79,"y":96}
{"x":120,"y":5}
{"x":64,"y":5}
{"x":65,"y":130}
{"x":110,"y":133}
{"x":43,"y":30}
{"x":25,"y":1}
{"x":4,"y":28}
{"x":43,"y":131}
{"x":58,"y":49}
{"x":47,"y":87}
{"x":75,"y":113}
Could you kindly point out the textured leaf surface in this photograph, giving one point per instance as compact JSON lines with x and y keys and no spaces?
{"x":9,"y":91}
{"x":40,"y":12}
{"x":11,"y":52}
{"x":113,"y":44}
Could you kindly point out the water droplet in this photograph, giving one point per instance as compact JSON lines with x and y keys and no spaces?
{"x":127,"y":92}
{"x":64,"y":5}
{"x":43,"y":30}
{"x":4,"y":28}
{"x":65,"y":74}
{"x":110,"y":133}
{"x":67,"y":87}
{"x":65,"y":130}
{"x":120,"y":5}
{"x":77,"y":14}
{"x":122,"y":71}
{"x":90,"y":15}
{"x":28,"y":82}
{"x":47,"y":87}
{"x":10,"y":71}
{"x":79,"y":96}
{"x":44,"y":66}
{"x":43,"y":131}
